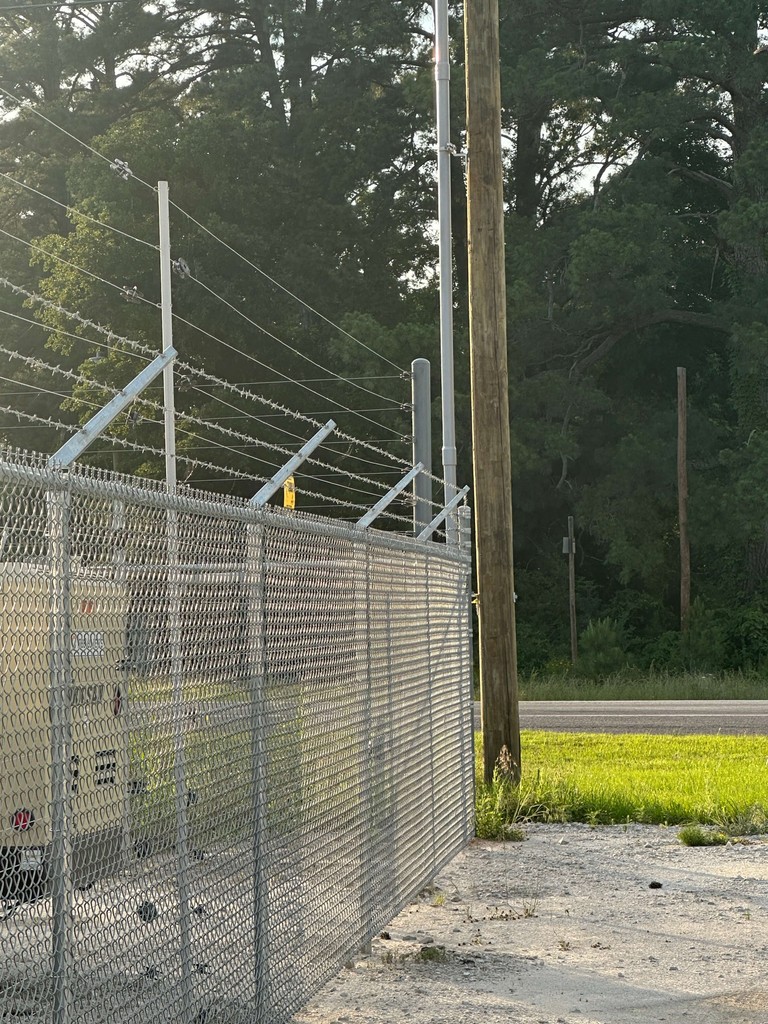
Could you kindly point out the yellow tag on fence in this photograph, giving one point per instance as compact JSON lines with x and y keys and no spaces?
{"x":289,"y":493}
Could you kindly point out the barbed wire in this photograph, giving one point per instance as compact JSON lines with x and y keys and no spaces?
{"x":134,"y":295}
{"x":39,"y":364}
{"x":81,"y":270}
{"x":327,"y":499}
{"x":114,"y":340}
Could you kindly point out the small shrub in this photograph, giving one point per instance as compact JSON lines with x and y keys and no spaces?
{"x":695,"y":835}
{"x":432,"y":954}
{"x":602,"y":649}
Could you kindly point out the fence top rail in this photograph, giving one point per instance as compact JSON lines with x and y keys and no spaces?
{"x":31,"y":469}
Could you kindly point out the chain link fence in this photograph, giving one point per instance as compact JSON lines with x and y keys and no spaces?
{"x":233,"y":744}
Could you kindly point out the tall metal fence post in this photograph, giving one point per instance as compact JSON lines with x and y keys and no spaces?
{"x":60,"y":702}
{"x":174,"y":610}
{"x":118,"y":560}
{"x":363,"y":646}
{"x":430,"y":707}
{"x":421,"y":414}
{"x":255,"y":590}
{"x":464,"y":598}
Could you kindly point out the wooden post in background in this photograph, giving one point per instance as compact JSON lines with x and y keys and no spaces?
{"x":572,"y":590}
{"x":682,"y":500}
{"x":490,"y":389}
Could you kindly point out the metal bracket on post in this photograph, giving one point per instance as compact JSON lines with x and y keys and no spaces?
{"x":262,"y":497}
{"x":428,"y":530}
{"x":390,"y":496}
{"x":97,"y":424}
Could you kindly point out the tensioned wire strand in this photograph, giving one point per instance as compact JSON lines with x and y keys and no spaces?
{"x":115,"y":340}
{"x":32,"y":109}
{"x":123,"y":442}
{"x":189,"y":323}
{"x":248,"y":440}
{"x":72,"y":211}
{"x":202,"y":227}
{"x":282,"y":288}
{"x":285,"y":344}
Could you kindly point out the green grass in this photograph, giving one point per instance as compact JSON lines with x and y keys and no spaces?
{"x":646,"y":686}
{"x":600,"y":779}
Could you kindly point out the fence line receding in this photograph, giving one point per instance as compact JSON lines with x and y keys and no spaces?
{"x":233,"y":744}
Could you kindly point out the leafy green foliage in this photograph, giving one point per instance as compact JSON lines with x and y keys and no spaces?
{"x":635,"y":160}
{"x":601,"y":649}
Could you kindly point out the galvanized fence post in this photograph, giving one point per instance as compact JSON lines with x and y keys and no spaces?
{"x":122,"y":705}
{"x":255,"y":587}
{"x":430,"y":709}
{"x":60,"y":702}
{"x":464,"y":599}
{"x":179,"y":764}
{"x":363,"y":644}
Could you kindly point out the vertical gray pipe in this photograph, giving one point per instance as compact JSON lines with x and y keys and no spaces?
{"x":444,"y":154}
{"x":254,"y":586}
{"x":421,"y":401}
{"x":60,"y":702}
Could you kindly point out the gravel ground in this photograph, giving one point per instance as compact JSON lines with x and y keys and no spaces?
{"x":567,"y":928}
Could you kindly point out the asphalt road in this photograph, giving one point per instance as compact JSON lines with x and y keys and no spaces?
{"x":675,"y":717}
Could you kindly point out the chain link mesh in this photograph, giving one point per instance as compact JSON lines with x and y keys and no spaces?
{"x":233,"y":744}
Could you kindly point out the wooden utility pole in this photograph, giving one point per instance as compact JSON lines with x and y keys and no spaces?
{"x":490,"y":392}
{"x":572,"y":590}
{"x":682,"y":500}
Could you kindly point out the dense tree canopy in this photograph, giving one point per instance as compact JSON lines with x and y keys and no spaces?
{"x":636,"y":178}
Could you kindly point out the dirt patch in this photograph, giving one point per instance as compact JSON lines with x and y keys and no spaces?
{"x":565,"y":928}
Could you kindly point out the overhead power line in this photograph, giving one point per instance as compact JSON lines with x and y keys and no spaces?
{"x":120,"y":166}
{"x":72,"y":210}
{"x":125,"y":172}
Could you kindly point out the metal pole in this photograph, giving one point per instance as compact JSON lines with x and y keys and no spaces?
{"x":467,"y":667}
{"x":422,"y":442}
{"x":174,"y":615}
{"x":572,"y":590}
{"x":255,"y":593}
{"x":443,"y":111}
{"x":60,"y":703}
{"x":167,"y":329}
{"x":682,"y":500}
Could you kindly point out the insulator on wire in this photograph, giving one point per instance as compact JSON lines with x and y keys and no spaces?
{"x":121,"y":169}
{"x":131,"y":294}
{"x":180,"y":267}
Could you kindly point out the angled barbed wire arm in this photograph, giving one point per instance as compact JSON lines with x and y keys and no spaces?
{"x":265,"y":493}
{"x":98,"y":423}
{"x":429,"y":530}
{"x":390,"y":496}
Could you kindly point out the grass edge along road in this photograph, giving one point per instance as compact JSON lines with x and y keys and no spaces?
{"x":719,"y":781}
